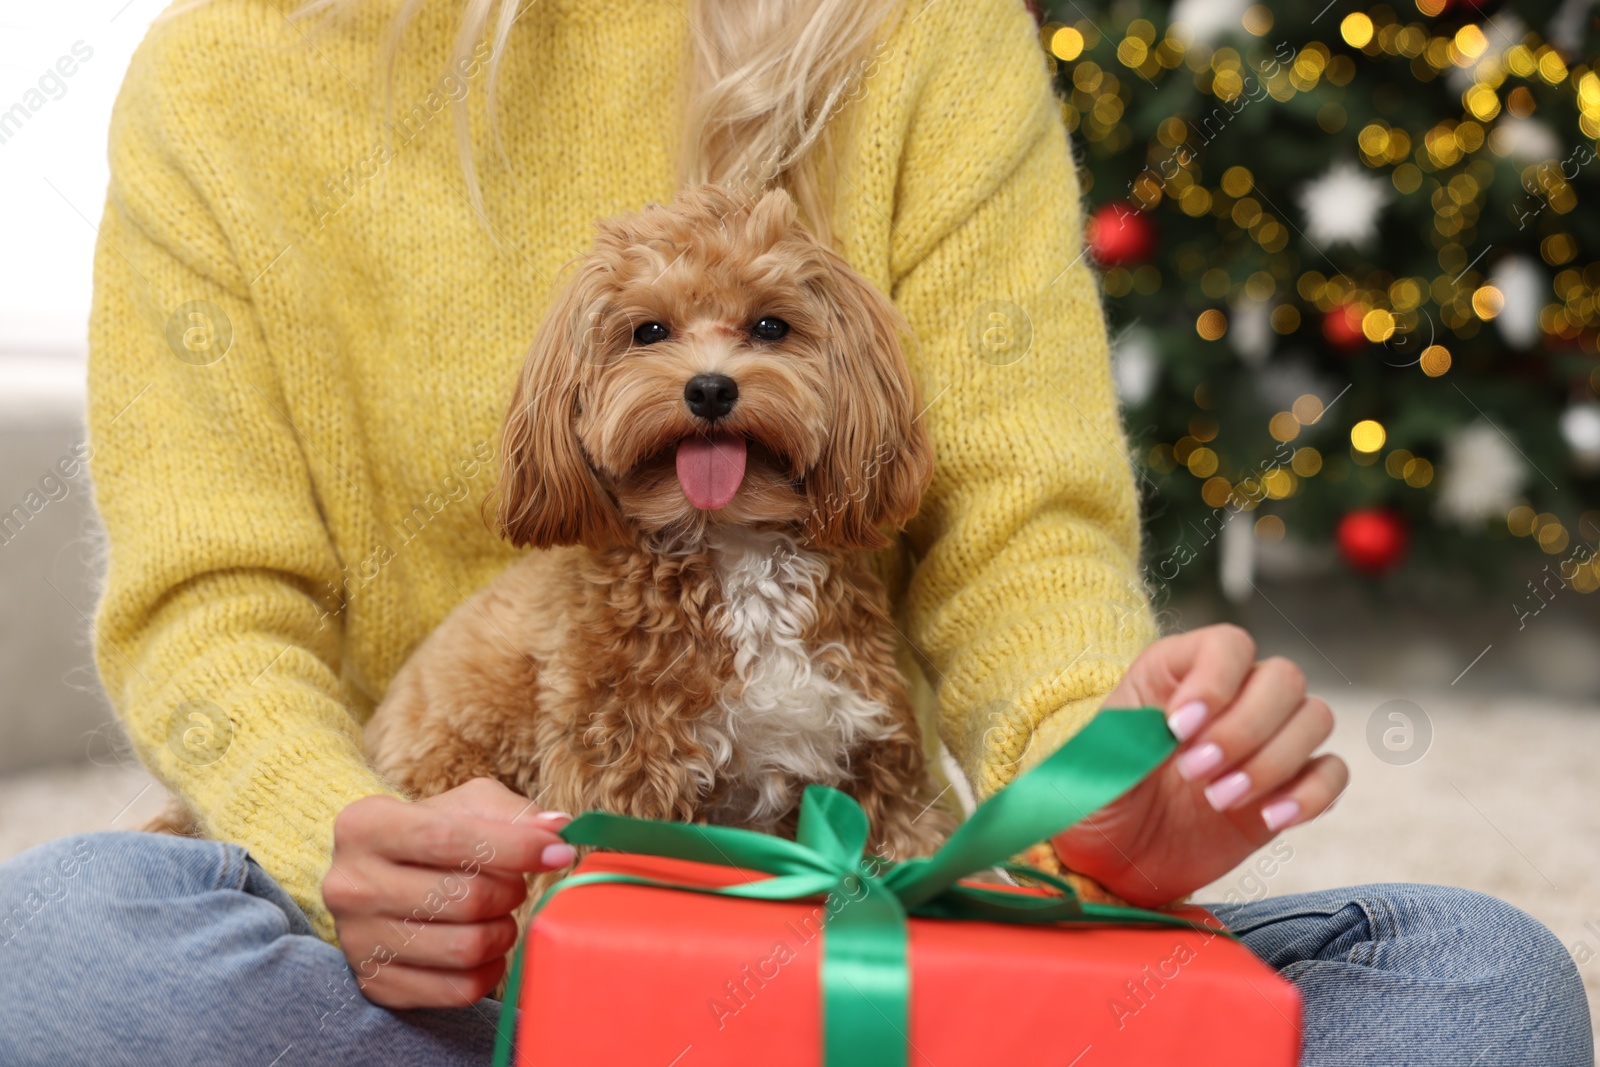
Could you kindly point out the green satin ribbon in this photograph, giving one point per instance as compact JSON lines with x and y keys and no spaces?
{"x":865,"y":980}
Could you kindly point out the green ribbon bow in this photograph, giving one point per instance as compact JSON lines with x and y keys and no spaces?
{"x":865,"y":979}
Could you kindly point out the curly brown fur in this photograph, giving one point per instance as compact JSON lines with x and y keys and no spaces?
{"x":583,"y":679}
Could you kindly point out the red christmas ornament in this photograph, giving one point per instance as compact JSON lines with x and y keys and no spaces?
{"x":1372,"y":539}
{"x":1120,"y":234}
{"x":1342,"y":327}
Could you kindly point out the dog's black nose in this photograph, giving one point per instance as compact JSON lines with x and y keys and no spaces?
{"x":711,"y":396}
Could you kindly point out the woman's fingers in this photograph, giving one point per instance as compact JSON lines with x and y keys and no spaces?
{"x":1271,"y":693}
{"x":487,"y":798}
{"x":400,"y":986}
{"x":430,"y":836}
{"x":422,"y":892}
{"x":1206,"y":667}
{"x":442,"y":945}
{"x":419,"y":894}
{"x":1308,"y":795}
{"x":1275,"y":762}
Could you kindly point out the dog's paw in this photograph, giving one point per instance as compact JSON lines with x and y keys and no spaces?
{"x":1043,"y":857}
{"x":176,"y":819}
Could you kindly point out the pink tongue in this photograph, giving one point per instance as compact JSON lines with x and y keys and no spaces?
{"x":710,"y":470}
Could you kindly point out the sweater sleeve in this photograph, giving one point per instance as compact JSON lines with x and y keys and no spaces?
{"x":212,"y":635}
{"x":1026,"y":599}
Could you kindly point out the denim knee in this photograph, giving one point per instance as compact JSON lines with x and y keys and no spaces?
{"x":1532,"y":942}
{"x":126,"y":938}
{"x":1494,"y":930}
{"x":112,"y":866}
{"x":34,"y":882}
{"x":1510,"y":972}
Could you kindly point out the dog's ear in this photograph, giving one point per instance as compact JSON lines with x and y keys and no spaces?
{"x":877,"y":460}
{"x":771,"y":217}
{"x":548,"y":493}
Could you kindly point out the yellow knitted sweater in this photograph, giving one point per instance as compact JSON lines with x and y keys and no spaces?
{"x":303,"y":339}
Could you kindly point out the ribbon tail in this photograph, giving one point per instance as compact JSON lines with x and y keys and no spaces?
{"x":724,"y":846}
{"x":1105,"y":759}
{"x":866,"y":982}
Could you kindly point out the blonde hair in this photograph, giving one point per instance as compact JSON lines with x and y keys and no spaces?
{"x":764,"y":81}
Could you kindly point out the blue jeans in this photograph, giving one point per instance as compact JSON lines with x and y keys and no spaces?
{"x":133,"y":948}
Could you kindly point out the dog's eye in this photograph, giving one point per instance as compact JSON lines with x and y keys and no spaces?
{"x":650,"y":333}
{"x":769,"y":328}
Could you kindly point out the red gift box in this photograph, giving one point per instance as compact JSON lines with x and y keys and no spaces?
{"x":628,"y":974}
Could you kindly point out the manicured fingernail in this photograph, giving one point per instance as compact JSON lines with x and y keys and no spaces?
{"x":1187,"y":719}
{"x":554,"y":816}
{"x":1280,"y":814}
{"x":1225,"y":793}
{"x":555,"y":856}
{"x":1206,"y":758}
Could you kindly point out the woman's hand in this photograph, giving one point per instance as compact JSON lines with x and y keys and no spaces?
{"x":422,"y":893}
{"x":1244,"y":769}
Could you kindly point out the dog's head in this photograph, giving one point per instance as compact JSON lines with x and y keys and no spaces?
{"x":711,"y":363}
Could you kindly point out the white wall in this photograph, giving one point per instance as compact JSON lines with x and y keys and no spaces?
{"x":52,"y":186}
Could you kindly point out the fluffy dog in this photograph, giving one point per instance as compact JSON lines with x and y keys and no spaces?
{"x":715,"y":418}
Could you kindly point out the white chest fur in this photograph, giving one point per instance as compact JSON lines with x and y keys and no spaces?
{"x":785,"y":721}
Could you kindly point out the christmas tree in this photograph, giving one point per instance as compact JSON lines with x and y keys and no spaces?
{"x":1352,"y":283}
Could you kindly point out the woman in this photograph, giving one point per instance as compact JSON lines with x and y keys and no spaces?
{"x":307,"y":316}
